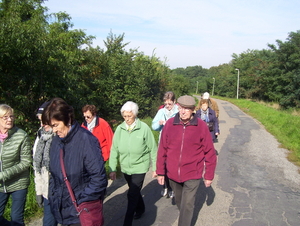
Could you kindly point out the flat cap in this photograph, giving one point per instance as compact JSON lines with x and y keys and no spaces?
{"x":186,"y":101}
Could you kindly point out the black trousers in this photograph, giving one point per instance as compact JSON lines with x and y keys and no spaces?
{"x":134,"y":197}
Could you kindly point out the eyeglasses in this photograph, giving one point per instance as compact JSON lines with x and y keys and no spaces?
{"x":87,"y":117}
{"x":5,"y":118}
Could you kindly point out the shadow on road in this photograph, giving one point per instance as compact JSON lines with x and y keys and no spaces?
{"x":115,"y":207}
{"x":203,"y":195}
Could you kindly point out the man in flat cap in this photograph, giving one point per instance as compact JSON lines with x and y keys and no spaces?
{"x":185,"y":152}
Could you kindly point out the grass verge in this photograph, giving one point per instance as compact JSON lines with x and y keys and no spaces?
{"x":284,"y":125}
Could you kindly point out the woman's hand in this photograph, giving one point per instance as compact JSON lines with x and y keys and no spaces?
{"x":112,"y":175}
{"x":154,"y":174}
{"x":161,"y":122}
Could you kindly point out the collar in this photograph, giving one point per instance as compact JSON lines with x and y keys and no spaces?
{"x":193,"y":121}
{"x":71,"y":133}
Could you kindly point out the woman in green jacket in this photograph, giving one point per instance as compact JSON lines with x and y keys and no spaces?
{"x":15,"y":160}
{"x":135,"y":147}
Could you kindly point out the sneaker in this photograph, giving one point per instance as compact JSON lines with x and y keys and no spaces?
{"x":170,"y":194}
{"x":164,"y":192}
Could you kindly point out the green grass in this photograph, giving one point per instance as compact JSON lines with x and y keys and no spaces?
{"x":282,"y":124}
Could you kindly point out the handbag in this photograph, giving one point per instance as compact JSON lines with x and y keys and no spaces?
{"x":89,"y":213}
{"x":210,"y":125}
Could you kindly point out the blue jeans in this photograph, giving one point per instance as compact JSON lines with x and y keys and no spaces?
{"x":48,"y":219}
{"x":17,"y":208}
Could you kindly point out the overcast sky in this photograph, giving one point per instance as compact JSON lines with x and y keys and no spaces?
{"x":186,"y":32}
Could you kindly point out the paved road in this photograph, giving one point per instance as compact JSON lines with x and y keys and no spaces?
{"x":254,"y":183}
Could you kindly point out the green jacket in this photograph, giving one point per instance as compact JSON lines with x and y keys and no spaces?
{"x":133,"y":149}
{"x":15,"y":160}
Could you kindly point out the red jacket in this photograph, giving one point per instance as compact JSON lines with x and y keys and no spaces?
{"x":184,"y":150}
{"x":104,"y":134}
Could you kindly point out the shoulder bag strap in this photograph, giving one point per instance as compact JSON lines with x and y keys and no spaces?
{"x":66,"y":179}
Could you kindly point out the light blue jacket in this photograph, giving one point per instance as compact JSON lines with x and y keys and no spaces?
{"x":162,"y":115}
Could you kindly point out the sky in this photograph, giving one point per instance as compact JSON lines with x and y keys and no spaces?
{"x":184,"y":33}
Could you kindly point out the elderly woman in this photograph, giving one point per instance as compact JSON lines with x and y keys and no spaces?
{"x":82,"y":160}
{"x":99,"y":128}
{"x":209,"y":116}
{"x":134,"y":146}
{"x":170,"y":109}
{"x":15,"y":161}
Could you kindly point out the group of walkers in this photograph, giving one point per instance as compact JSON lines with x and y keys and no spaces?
{"x":69,"y":159}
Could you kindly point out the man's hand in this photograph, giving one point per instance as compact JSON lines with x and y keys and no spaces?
{"x":207,"y":183}
{"x":113,"y":175}
{"x":39,"y":200}
{"x":161,"y":180}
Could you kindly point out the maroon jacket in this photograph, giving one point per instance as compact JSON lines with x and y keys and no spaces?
{"x":184,"y":150}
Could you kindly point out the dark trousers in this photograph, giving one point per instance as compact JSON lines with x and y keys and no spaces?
{"x":17,"y":208}
{"x":134,"y":197}
{"x":185,"y":195}
{"x":167,"y":183}
{"x":48,"y":219}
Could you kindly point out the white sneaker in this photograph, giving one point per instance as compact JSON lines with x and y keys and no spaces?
{"x":164,"y":192}
{"x":171,"y":194}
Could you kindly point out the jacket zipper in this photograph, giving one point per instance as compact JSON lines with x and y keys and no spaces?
{"x":1,"y":167}
{"x":180,"y":156}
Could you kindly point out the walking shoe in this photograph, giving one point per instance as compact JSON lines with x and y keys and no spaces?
{"x":170,"y":194}
{"x":164,"y":192}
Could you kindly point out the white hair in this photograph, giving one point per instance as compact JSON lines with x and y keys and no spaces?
{"x":131,"y":107}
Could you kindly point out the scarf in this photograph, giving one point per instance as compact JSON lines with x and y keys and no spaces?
{"x":41,"y":157}
{"x":168,"y":114}
{"x":3,"y":136}
{"x":92,"y":125}
{"x":204,"y":115}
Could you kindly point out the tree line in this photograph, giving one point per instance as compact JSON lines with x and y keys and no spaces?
{"x":42,"y":56}
{"x":271,"y":75}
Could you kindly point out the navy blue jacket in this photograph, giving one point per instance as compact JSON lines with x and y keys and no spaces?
{"x":84,"y":168}
{"x":211,"y":118}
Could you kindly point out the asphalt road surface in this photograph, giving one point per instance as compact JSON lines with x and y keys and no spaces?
{"x":254,"y":185}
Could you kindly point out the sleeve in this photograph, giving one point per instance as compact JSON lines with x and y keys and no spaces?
{"x":94,"y":165}
{"x":151,"y":144}
{"x":24,"y":162}
{"x":114,"y":152}
{"x":210,"y":156}
{"x":155,"y":123}
{"x":37,"y":176}
{"x":215,"y":120}
{"x":161,"y":153}
{"x":108,"y":135}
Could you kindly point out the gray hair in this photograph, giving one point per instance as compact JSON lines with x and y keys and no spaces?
{"x":130,"y":106}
